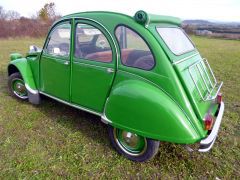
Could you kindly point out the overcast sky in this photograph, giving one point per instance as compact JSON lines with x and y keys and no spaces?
{"x":223,"y":10}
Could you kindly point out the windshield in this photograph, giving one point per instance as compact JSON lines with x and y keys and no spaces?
{"x":176,"y":40}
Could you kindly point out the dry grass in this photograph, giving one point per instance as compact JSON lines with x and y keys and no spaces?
{"x":57,"y":141}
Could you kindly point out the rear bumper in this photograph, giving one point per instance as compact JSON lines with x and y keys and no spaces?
{"x":207,"y":143}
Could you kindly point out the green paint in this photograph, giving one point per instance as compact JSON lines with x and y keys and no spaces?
{"x":24,"y":67}
{"x":160,"y":104}
{"x":14,"y":56}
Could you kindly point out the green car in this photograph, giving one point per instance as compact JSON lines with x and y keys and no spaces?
{"x":142,"y":75}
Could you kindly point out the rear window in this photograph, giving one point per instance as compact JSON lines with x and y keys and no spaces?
{"x":176,"y":40}
{"x":134,"y":49}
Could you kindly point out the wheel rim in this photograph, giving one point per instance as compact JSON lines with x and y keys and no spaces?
{"x":132,"y":144}
{"x":19,"y":88}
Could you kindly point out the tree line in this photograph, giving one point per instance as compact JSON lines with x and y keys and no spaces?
{"x":12,"y":24}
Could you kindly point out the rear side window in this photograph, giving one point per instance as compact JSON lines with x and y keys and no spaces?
{"x":134,"y":50}
{"x":92,"y":44}
{"x":176,"y":40}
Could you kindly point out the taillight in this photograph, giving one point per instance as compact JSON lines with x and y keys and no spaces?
{"x":208,"y":122}
{"x":219,"y":98}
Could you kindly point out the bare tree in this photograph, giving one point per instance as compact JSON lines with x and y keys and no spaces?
{"x":12,"y":25}
{"x":8,"y":15}
{"x":2,"y":13}
{"x":12,"y":15}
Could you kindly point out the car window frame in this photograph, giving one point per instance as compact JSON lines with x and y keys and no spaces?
{"x":148,"y":45}
{"x":65,"y":21}
{"x":84,"y":21}
{"x":185,"y":52}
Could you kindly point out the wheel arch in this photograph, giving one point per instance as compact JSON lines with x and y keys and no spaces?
{"x":12,"y":69}
{"x":142,"y":108}
{"x":22,"y":66}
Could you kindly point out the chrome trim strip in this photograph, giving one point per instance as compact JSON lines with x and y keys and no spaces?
{"x":207,"y":143}
{"x":184,"y":59}
{"x":194,"y":64}
{"x":104,"y":117}
{"x":30,"y":89}
{"x":105,"y":120}
{"x":71,"y":104}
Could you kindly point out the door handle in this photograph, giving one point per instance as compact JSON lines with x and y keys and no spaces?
{"x":110,"y":70}
{"x":66,"y":63}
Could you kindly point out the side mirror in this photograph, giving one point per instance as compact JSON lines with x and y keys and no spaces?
{"x":56,"y":50}
{"x":34,"y":48}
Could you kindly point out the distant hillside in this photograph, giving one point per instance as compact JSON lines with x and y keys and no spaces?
{"x":228,"y":30}
{"x":196,"y":22}
{"x":211,"y":22}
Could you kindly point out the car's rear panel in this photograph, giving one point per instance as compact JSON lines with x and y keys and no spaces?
{"x":193,"y":71}
{"x":199,"y":82}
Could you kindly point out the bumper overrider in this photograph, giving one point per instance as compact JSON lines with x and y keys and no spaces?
{"x":207,"y":143}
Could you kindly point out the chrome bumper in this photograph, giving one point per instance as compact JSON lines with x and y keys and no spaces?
{"x":207,"y":143}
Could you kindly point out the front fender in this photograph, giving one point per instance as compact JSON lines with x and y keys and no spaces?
{"x":24,"y":68}
{"x":145,"y":109}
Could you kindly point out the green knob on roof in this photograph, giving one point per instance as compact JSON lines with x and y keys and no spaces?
{"x":145,"y":19}
{"x":141,"y":17}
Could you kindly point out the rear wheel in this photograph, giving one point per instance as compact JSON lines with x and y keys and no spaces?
{"x":133,"y":146}
{"x":17,"y":87}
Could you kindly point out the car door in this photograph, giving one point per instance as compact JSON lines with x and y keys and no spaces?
{"x":93,"y":65}
{"x":55,"y":62}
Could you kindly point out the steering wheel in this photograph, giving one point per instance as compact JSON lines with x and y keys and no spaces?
{"x":102,"y":43}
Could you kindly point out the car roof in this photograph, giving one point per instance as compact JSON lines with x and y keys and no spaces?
{"x":98,"y":15}
{"x":79,"y":14}
{"x":151,"y":18}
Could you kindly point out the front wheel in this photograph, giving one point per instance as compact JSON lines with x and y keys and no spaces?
{"x":133,"y":146}
{"x":17,"y":87}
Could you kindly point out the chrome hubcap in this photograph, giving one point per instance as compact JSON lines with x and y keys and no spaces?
{"x":130,"y":139}
{"x":19,"y":88}
{"x":132,"y":144}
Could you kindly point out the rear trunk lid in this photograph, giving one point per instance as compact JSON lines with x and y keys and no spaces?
{"x":194,"y":72}
{"x":199,"y":83}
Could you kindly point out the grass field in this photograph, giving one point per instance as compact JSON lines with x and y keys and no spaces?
{"x":53,"y":140}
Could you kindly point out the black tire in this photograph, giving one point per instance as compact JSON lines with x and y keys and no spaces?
{"x":12,"y":79}
{"x":149,"y":151}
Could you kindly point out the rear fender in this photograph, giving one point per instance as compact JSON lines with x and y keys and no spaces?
{"x":24,"y":69}
{"x":144,"y":109}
